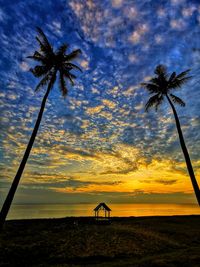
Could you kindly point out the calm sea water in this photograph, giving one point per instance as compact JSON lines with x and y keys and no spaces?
{"x":62,"y":210}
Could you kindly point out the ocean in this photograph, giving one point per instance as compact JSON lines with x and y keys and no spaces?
{"x":30,"y":211}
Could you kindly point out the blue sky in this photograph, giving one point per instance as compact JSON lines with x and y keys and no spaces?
{"x":99,"y":144}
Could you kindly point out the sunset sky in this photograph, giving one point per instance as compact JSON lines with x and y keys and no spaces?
{"x":99,"y":144}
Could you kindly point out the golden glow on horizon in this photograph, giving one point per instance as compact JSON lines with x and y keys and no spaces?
{"x":124,"y":169}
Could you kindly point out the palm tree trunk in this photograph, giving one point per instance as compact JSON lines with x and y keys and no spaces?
{"x":10,"y":196}
{"x":185,"y":152}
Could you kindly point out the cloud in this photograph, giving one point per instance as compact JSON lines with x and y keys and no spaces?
{"x":108,"y":103}
{"x":39,"y":195}
{"x":168,"y":182}
{"x":64,"y":182}
{"x":94,"y":110}
{"x":24,"y":66}
{"x":124,"y":171}
{"x":161,"y":181}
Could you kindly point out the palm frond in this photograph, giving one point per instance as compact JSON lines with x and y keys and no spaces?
{"x":43,"y":39}
{"x":160,"y":70}
{"x":45,"y":46}
{"x":177,"y":83}
{"x":161,"y":82}
{"x":72,"y":55}
{"x":44,"y":49}
{"x":39,"y":71}
{"x":183,"y":74}
{"x":44,"y":81}
{"x":171,"y":78}
{"x":62,"y":49}
{"x":154,"y":101}
{"x":159,"y":102}
{"x":177,"y":100}
{"x":72,"y":66}
{"x":37,"y":57}
{"x":151,"y":87}
{"x":62,"y":84}
{"x":73,"y":76}
{"x":155,"y":80}
{"x":69,"y":76}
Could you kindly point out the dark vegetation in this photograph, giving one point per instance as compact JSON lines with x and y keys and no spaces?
{"x":145,"y":241}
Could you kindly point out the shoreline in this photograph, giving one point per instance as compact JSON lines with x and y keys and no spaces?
{"x":111,"y":217}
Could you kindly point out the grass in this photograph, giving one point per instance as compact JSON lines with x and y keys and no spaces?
{"x":142,"y":241}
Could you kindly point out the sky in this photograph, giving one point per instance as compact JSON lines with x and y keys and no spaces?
{"x":98,"y":144}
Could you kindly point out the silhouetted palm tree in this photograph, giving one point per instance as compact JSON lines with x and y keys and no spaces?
{"x":161,"y":86}
{"x":51,"y":63}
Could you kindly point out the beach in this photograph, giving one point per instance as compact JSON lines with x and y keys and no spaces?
{"x":79,"y":241}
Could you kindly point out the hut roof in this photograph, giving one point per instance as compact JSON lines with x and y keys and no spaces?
{"x":102,"y":205}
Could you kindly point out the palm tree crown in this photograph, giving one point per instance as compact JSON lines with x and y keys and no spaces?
{"x":162,"y":84}
{"x":52,"y":62}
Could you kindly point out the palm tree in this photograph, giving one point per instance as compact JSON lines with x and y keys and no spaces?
{"x":51,"y":63}
{"x":161,"y":86}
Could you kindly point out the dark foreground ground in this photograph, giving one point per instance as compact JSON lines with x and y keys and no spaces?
{"x":138,"y":242}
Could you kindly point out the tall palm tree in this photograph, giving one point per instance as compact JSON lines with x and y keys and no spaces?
{"x":161,"y":87}
{"x":51,"y":63}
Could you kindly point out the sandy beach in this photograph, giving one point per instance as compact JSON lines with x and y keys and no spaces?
{"x":79,"y":241}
